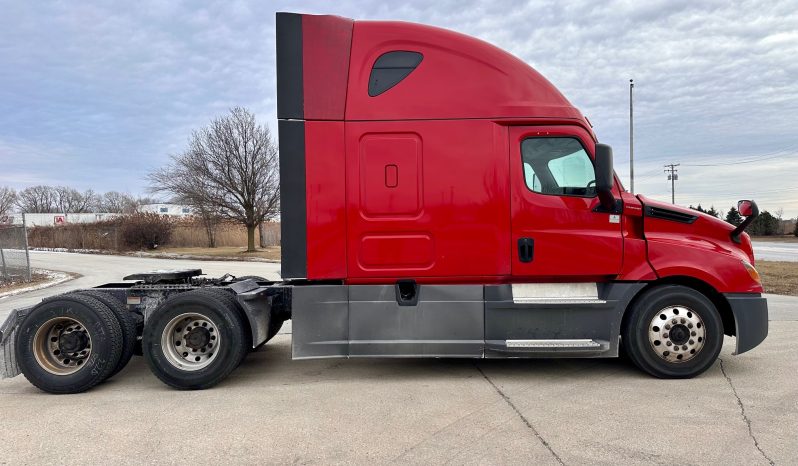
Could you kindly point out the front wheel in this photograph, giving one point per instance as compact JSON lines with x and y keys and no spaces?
{"x":194,"y":340}
{"x":673,"y":332}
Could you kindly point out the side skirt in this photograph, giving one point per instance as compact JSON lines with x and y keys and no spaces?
{"x":465,"y":321}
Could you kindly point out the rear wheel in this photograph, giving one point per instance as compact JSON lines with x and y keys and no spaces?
{"x":68,"y":344}
{"x":673,"y":332}
{"x":126,"y":321}
{"x":195,"y":339}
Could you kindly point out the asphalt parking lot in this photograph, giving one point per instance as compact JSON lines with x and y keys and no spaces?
{"x":744,"y":410}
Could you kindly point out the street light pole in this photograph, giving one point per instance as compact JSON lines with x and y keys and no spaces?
{"x":631,"y":139}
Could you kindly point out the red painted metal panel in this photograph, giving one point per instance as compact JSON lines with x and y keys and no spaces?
{"x":417,"y":182}
{"x":635,"y":259}
{"x":382,"y":158}
{"x":416,"y":251}
{"x":570,"y":240}
{"x":326,"y":199}
{"x":702,"y":249}
{"x":459,"y":77}
{"x":461,"y":218}
{"x":326,"y":41}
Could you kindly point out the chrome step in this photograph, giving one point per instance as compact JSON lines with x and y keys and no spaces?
{"x":573,"y":344}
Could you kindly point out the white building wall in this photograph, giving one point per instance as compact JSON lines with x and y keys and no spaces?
{"x":41,"y":220}
{"x":172,"y":210}
{"x":35,"y":220}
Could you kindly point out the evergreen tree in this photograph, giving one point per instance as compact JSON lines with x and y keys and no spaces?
{"x":764,"y":225}
{"x":734,"y":216}
{"x":796,"y":227}
{"x":713,"y":212}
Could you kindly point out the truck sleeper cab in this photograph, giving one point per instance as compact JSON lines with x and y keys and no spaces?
{"x":440,"y":198}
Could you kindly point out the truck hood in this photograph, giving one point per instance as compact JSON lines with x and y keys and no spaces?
{"x":690,"y":228}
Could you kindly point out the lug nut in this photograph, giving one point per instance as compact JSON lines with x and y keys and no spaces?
{"x":692,"y":334}
{"x":667,"y":327}
{"x":692,"y":342}
{"x":689,"y":325}
{"x":668,"y":343}
{"x":674,"y":321}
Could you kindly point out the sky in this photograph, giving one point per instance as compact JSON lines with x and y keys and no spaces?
{"x":95,"y":95}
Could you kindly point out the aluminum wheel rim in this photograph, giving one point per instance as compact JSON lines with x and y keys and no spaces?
{"x":677,"y":334}
{"x":190,"y":341}
{"x":62,"y":345}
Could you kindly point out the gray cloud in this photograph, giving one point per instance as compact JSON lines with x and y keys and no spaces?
{"x":97,"y":94}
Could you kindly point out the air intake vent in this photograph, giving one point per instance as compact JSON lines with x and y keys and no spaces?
{"x":672,"y":215}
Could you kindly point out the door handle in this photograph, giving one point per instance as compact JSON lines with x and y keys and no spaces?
{"x":526,"y":249}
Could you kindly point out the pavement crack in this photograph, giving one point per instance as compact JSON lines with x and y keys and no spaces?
{"x":520,"y":415}
{"x":743,"y":414}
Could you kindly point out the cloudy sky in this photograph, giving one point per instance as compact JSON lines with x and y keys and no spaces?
{"x":97,"y":94}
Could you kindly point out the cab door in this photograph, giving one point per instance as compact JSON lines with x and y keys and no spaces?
{"x":559,"y":230}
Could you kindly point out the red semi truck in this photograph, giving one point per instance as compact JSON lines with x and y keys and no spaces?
{"x":440,"y":198}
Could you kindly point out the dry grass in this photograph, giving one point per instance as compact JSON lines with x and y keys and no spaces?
{"x":779,"y":277}
{"x":36,"y":278}
{"x":185,"y":233}
{"x":226,"y":252}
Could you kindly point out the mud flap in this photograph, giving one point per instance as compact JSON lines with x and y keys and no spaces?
{"x":750,"y":319}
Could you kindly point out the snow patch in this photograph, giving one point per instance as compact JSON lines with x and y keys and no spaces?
{"x":53,"y":278}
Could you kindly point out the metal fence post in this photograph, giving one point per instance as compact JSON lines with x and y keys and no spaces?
{"x":3,"y":262}
{"x":27,"y":252}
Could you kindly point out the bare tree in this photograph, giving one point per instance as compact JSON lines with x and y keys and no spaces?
{"x":230,"y":165}
{"x":70,"y":200}
{"x":145,"y":200}
{"x":117,"y":203}
{"x":37,"y":199}
{"x":8,"y":198}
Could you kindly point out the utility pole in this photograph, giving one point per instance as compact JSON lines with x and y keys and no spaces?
{"x":671,"y":170}
{"x":631,"y":139}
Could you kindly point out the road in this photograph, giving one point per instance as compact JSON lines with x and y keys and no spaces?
{"x":776,"y":251}
{"x":744,"y":410}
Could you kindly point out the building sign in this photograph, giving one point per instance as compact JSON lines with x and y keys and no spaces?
{"x":60,"y":220}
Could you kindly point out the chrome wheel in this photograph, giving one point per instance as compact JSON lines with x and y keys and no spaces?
{"x":62,"y":345}
{"x":677,"y":334}
{"x":190,"y":341}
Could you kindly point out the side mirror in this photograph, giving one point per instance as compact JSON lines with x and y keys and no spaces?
{"x":750,"y":211}
{"x":604,"y":176}
{"x":746,"y":208}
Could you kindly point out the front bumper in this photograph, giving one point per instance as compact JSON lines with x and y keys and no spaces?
{"x":750,"y":319}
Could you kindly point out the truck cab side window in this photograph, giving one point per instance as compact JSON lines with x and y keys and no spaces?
{"x":558,"y":166}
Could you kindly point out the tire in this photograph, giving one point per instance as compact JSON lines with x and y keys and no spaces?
{"x":232,"y":304}
{"x":126,"y":320}
{"x":76,"y":322}
{"x":673,"y":332}
{"x":210,"y":355}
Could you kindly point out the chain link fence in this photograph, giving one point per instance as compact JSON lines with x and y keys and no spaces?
{"x":14,"y":259}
